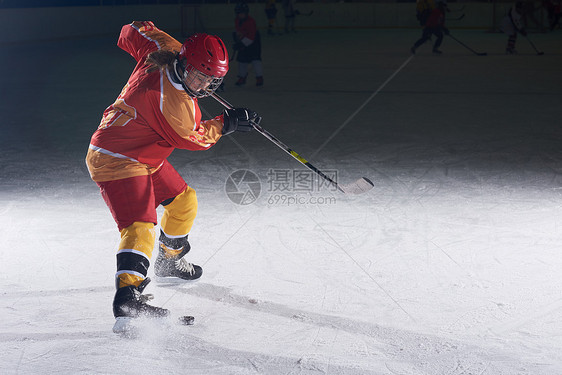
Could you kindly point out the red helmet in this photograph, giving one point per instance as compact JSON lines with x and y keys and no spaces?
{"x":207,"y":54}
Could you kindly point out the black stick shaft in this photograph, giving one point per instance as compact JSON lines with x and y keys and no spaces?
{"x":281,"y":145}
{"x":533,"y":45}
{"x":464,"y":45}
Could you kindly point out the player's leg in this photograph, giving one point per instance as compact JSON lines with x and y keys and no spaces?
{"x":258,"y":69}
{"x":180,"y":210}
{"x":510,"y":48}
{"x":131,"y":202}
{"x":426,"y":34}
{"x":242,"y":73}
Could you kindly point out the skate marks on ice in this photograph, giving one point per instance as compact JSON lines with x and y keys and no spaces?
{"x":46,"y":315}
{"x":8,"y":337}
{"x":142,"y":327}
{"x":209,"y":358}
{"x":400,"y":351}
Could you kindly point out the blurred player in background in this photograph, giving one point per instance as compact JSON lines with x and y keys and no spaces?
{"x":247,"y":43}
{"x":271,"y":13}
{"x":512,"y":24}
{"x":434,"y":25}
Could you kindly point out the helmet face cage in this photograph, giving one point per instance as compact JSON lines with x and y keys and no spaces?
{"x":201,"y":64}
{"x":199,"y":84}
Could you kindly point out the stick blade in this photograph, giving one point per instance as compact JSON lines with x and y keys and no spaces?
{"x":360,"y":186}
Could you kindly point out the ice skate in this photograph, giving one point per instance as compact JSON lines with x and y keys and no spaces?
{"x":170,"y":261}
{"x":129,"y":303}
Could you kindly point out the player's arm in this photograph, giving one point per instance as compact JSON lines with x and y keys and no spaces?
{"x":135,"y":40}
{"x":139,"y":38}
{"x":206,"y":133}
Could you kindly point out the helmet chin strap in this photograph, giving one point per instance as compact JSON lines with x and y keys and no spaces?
{"x":177,"y":76}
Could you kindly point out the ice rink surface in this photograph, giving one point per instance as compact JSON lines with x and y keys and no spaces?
{"x":450,"y":265}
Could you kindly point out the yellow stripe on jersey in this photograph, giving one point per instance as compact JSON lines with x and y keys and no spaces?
{"x":104,"y":167}
{"x":179,"y":110}
{"x":151,"y":32}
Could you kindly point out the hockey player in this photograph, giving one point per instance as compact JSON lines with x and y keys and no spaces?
{"x":423,"y":10}
{"x":435,"y":25}
{"x":553,"y":8}
{"x":271,"y":13}
{"x":156,"y":112}
{"x":248,"y":44}
{"x":512,"y":23}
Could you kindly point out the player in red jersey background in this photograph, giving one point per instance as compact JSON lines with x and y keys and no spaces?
{"x":248,"y":44}
{"x":157,"y":112}
{"x":434,"y":25}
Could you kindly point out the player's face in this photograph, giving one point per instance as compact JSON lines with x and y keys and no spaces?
{"x":197,"y":81}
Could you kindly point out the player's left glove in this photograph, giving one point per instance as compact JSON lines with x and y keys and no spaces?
{"x":239,"y":119}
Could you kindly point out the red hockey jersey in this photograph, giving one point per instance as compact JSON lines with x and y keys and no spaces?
{"x":150,"y":118}
{"x":246,"y":30}
{"x":436,"y":19}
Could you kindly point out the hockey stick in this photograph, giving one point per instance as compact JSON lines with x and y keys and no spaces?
{"x":360,"y":186}
{"x":467,"y":47}
{"x":534,"y":47}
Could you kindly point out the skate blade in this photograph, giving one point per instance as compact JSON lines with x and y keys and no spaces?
{"x":124,"y":327}
{"x":172,"y":280}
{"x":132,"y":328}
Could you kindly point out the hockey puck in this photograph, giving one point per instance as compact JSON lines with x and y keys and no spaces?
{"x":186,"y":320}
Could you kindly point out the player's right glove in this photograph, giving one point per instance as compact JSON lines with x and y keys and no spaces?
{"x":239,"y":119}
